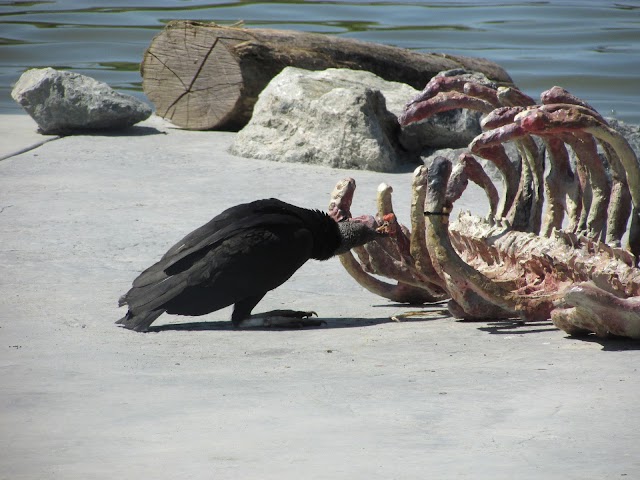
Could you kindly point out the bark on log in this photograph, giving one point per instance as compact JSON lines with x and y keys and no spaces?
{"x":206,"y":76}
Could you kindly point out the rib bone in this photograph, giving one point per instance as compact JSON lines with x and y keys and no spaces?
{"x":566,"y":265}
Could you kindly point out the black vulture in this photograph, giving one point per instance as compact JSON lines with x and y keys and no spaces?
{"x":236,"y":258}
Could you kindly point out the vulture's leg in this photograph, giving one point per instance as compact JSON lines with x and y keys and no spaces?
{"x":242,"y":318}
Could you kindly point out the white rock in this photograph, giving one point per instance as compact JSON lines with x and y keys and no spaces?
{"x":336,"y":117}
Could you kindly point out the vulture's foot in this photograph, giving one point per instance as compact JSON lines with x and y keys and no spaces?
{"x":282,"y":318}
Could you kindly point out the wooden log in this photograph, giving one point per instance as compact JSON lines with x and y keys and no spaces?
{"x":204,"y":76}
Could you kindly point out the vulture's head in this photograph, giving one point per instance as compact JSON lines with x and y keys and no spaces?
{"x":358,"y":231}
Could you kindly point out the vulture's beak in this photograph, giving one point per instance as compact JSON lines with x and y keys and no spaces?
{"x":384,"y":229}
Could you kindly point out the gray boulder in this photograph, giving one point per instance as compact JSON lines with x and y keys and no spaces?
{"x":64,"y":102}
{"x":452,"y":129}
{"x":629,"y":131}
{"x":336,"y":117}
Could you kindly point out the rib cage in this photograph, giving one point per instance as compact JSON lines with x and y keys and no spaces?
{"x":550,"y":246}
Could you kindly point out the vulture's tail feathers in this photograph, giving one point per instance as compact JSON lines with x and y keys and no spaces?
{"x":140,"y":322}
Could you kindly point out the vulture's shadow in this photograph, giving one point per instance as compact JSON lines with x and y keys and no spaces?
{"x":506,"y":327}
{"x":349,"y":322}
{"x":425,"y":313}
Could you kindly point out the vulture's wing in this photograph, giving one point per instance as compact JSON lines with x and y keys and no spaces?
{"x":196,"y":244}
{"x":190,"y":261}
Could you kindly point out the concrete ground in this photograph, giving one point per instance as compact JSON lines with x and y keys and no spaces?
{"x":360,"y":398}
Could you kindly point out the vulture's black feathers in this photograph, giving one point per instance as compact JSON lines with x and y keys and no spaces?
{"x":236,"y":258}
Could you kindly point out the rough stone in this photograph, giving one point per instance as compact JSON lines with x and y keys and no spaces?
{"x":336,"y":117}
{"x":629,"y":131}
{"x":64,"y":102}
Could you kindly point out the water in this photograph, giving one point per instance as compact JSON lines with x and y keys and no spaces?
{"x":591,"y":48}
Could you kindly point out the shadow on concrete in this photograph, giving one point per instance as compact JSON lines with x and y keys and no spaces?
{"x":516,"y":327}
{"x":328,"y":323}
{"x":133,"y":131}
{"x":610,"y":344}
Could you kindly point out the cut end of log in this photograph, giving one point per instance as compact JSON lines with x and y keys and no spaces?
{"x":192,"y":78}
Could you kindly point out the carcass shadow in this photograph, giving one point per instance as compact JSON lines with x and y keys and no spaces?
{"x":611,"y":343}
{"x":517,"y":327}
